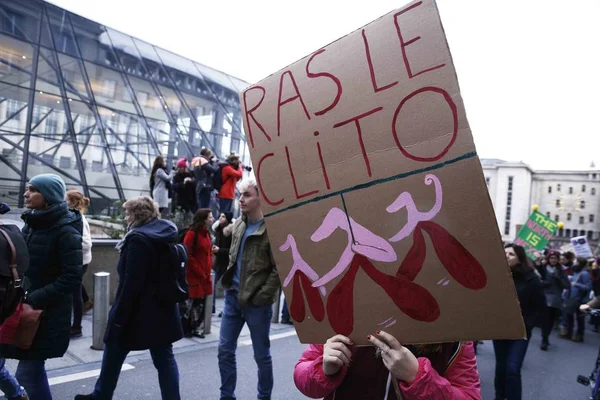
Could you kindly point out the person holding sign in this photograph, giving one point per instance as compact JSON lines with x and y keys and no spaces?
{"x":511,"y":353}
{"x":554,"y":281}
{"x":340,"y":370}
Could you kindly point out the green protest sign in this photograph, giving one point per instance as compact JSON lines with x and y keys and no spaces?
{"x":536,"y":232}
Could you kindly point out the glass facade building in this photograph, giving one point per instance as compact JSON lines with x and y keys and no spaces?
{"x":96,"y":106}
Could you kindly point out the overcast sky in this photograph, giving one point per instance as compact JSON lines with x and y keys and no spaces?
{"x":528,"y":69}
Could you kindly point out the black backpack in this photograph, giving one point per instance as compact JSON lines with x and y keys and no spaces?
{"x":172,"y":285}
{"x":14,"y":260}
{"x":217,"y":178}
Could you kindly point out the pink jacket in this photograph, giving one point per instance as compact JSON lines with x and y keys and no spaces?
{"x":460,"y":381}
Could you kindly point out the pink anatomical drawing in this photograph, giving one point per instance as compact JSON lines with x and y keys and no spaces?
{"x":363,"y":248}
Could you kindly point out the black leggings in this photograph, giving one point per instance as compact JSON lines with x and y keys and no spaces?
{"x":80,"y":296}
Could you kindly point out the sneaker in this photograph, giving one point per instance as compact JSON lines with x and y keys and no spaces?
{"x":22,"y":397}
{"x":76,"y":332}
{"x":198,"y":334}
{"x":287,"y":322}
{"x":544,"y":346}
{"x":83,"y":397}
{"x":220,"y":315}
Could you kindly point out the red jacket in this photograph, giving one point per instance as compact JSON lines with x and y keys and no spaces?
{"x":459,"y":379}
{"x":200,"y":263}
{"x":230,"y":177}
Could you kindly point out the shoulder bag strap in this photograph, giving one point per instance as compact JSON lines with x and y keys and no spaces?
{"x":13,"y":258}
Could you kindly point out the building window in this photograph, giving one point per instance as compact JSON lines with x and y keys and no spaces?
{"x":583,"y":188}
{"x":508,"y":205}
{"x":97,"y":166}
{"x":12,"y":107}
{"x":582,"y":204}
{"x":568,"y":233}
{"x":48,"y":158}
{"x":108,"y":90}
{"x":558,"y":187}
{"x":581,"y":220}
{"x":590,"y":235}
{"x":561,"y":232}
{"x":570,"y":190}
{"x":487,"y":178}
{"x":556,"y":218}
{"x":593,"y":191}
{"x":548,"y":214}
{"x":51,"y":125}
{"x":65,"y":162}
{"x":591,"y":217}
{"x":582,"y":232}
{"x":558,"y":203}
{"x":569,"y":216}
{"x":549,"y":189}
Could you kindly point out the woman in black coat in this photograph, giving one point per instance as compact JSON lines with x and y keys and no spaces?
{"x":511,"y":353}
{"x":53,"y":236}
{"x":138,"y":319}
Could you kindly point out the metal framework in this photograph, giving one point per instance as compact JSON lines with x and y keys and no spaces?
{"x":70,"y":87}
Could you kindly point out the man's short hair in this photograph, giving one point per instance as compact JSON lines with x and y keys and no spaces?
{"x":248,"y":183}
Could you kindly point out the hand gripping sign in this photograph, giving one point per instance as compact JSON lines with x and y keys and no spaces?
{"x":373,"y":194}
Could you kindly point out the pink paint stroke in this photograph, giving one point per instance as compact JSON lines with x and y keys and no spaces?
{"x":366,"y":243}
{"x":414,"y":215}
{"x":299,"y":264}
{"x":386,"y":321}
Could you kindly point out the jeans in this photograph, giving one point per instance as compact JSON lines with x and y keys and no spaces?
{"x":548,"y":323}
{"x":31,"y":374}
{"x":113,"y":359}
{"x":285,"y":312}
{"x":509,"y":360}
{"x":8,"y":384}
{"x":78,"y":301}
{"x":225,"y":205}
{"x":259,"y":322}
{"x":203,"y":198}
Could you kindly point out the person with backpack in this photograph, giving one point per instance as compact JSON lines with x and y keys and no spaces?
{"x":53,"y":236}
{"x":77,"y":201}
{"x":142,"y":316}
{"x":200,"y":262}
{"x":160,"y":185}
{"x":204,"y":170}
{"x":230,"y":174}
{"x":11,"y":238}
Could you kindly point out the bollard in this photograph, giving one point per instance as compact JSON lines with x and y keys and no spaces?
{"x":208,"y":302}
{"x":101,"y":307}
{"x":276,"y":309}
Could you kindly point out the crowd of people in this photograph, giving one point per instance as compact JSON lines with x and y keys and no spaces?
{"x":552,"y":291}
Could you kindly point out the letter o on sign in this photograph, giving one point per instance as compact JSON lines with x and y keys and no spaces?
{"x":454,"y":116}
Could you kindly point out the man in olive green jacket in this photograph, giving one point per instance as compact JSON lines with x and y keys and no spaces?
{"x":251,"y":286}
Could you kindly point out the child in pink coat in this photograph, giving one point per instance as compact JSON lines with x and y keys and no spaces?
{"x":389,"y":371}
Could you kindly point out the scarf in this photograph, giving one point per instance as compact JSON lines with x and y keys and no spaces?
{"x":130,"y":228}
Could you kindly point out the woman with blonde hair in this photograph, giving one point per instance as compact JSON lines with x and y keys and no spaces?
{"x":77,"y":201}
{"x":139,"y":319}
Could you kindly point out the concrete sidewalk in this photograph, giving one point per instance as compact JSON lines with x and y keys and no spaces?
{"x":81,"y":354}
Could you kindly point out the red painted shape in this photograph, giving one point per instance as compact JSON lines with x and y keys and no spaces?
{"x":325,"y":176}
{"x":356,"y":121}
{"x":258,"y":181}
{"x":325,"y":75}
{"x":413,"y":299}
{"x":298,"y":196}
{"x":413,"y":262}
{"x":459,"y":262}
{"x":454,"y":110}
{"x":297,"y":309}
{"x":286,"y":101}
{"x":372,"y":69}
{"x":340,"y":303}
{"x":404,"y":44}
{"x":315,"y":302}
{"x":250,"y":115}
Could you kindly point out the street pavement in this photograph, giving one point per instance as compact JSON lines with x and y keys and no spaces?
{"x":546,"y":375}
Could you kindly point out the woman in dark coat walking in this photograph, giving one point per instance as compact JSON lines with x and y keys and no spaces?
{"x":554,"y":281}
{"x":53,"y":236}
{"x":138,"y":319}
{"x":511,"y":353}
{"x":222,"y":229}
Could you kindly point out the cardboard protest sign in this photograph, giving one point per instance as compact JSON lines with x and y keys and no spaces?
{"x":582,"y":247}
{"x":536,"y":232}
{"x":374,"y":197}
